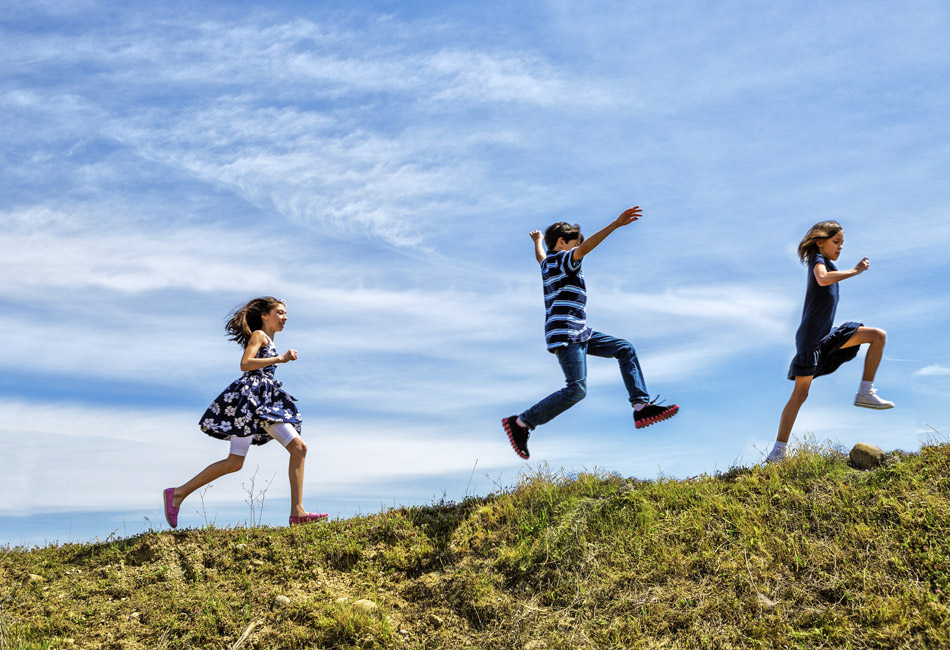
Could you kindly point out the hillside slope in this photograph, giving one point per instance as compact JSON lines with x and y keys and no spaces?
{"x":810,"y":553}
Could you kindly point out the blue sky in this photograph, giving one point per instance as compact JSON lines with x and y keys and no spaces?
{"x":379,"y":166}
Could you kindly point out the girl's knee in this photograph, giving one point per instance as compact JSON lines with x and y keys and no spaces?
{"x":873,"y":335}
{"x":297,"y":447}
{"x":800,"y":394}
{"x":234,"y":463}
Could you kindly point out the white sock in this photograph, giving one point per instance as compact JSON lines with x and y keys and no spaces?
{"x":778,"y":451}
{"x":866,"y":387}
{"x":521,"y":423}
{"x":639,"y":407}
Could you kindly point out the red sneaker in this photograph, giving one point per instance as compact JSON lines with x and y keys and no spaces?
{"x":517,"y":436}
{"x":653,"y":413}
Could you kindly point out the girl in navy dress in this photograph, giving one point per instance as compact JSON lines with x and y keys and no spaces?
{"x":253,"y":409}
{"x":822,"y":349}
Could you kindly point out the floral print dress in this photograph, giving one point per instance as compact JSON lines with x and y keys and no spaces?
{"x":250,"y":403}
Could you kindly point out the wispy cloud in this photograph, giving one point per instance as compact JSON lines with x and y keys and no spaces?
{"x":381,"y":172}
{"x":933,"y":370}
{"x":280,"y":142}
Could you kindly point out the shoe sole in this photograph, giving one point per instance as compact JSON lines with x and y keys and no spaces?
{"x":665,"y":415}
{"x":511,"y":440}
{"x":882,"y":407}
{"x":309,"y":520}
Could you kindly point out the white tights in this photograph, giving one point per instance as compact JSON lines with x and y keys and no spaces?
{"x":279,"y":431}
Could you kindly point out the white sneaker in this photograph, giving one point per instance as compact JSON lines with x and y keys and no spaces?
{"x":872,"y":401}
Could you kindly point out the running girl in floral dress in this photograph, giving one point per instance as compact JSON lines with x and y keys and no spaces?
{"x":253,"y":409}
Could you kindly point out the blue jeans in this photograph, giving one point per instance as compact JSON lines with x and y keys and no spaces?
{"x":573,"y":360}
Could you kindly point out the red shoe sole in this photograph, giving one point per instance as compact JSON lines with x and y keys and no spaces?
{"x":665,"y":415}
{"x":511,"y":440}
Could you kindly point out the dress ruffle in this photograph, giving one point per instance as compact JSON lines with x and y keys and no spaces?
{"x":828,"y":356}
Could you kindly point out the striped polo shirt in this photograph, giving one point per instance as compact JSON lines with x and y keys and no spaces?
{"x":565,"y":298}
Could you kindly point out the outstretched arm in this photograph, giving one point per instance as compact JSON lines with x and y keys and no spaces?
{"x":824,"y":277}
{"x":626,"y":217}
{"x":539,"y":253}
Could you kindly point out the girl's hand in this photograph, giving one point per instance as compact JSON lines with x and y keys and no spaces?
{"x":862,"y":266}
{"x":535,"y":235}
{"x":289,"y":355}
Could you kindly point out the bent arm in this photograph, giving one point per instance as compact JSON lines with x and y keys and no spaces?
{"x":626,"y":217}
{"x":248,"y":360}
{"x":539,"y":253}
{"x":824,"y":277}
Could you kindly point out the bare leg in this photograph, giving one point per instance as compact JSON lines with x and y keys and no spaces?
{"x":213,"y":471}
{"x":298,"y":453}
{"x":790,"y":412}
{"x":876,"y":339}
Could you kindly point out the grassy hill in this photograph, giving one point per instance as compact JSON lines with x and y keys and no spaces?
{"x":811,"y":553}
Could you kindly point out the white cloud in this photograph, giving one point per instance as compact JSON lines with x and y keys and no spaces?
{"x":305,"y":155}
{"x":92,"y":458}
{"x":380,"y":174}
{"x":933,"y":370}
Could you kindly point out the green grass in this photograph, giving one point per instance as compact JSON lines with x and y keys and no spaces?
{"x":810,"y":553}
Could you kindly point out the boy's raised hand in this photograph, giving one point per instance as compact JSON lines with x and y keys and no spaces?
{"x":538,"y":248}
{"x":628,"y":216}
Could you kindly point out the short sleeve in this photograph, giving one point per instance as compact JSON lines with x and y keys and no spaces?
{"x":567,"y":264}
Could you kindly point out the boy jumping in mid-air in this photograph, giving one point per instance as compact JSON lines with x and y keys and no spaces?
{"x":567,"y":334}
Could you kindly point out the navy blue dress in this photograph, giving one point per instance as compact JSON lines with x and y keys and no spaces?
{"x":819,"y":347}
{"x":250,"y":403}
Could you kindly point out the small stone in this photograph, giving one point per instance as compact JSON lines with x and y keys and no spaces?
{"x":343,"y":600}
{"x":865,"y":456}
{"x":257,"y":562}
{"x":367,"y":606}
{"x":281,"y":601}
{"x":134,"y":616}
{"x":765,"y":601}
{"x":35,"y":578}
{"x":435,"y":621}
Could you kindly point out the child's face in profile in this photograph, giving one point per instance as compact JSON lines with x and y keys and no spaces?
{"x":276,"y":317}
{"x":831,"y":247}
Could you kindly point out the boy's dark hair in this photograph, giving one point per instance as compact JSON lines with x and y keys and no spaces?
{"x":563,"y":230}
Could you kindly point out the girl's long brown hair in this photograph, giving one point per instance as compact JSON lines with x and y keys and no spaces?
{"x":808,"y":247}
{"x":246,"y":320}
